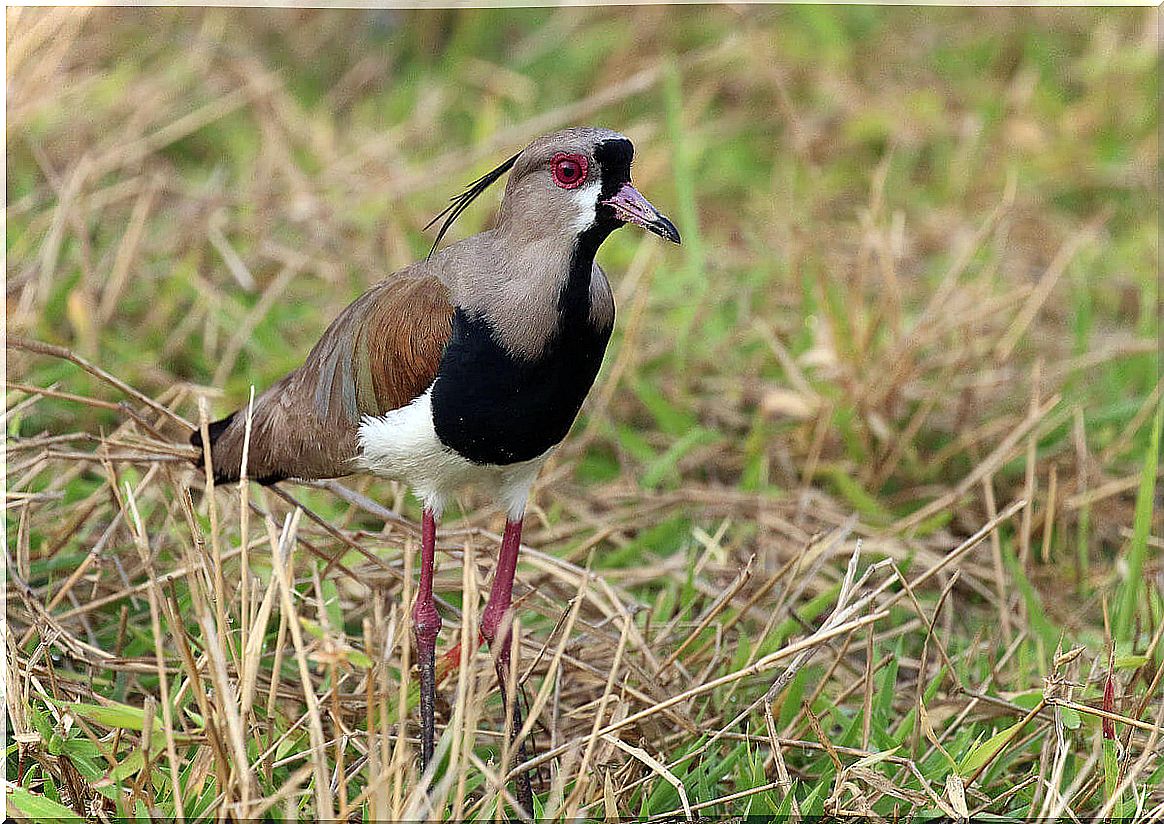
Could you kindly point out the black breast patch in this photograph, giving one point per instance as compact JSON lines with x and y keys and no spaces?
{"x":494,"y":408}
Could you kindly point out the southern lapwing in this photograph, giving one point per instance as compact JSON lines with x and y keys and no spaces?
{"x":468,"y":367}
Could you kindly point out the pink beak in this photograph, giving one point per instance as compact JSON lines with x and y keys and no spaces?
{"x":631,"y":207}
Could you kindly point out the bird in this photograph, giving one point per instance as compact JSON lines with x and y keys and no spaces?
{"x":466,"y":368}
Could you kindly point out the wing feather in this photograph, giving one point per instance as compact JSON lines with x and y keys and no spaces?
{"x":381,"y":353}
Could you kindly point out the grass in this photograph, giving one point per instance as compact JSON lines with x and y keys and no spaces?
{"x":863,"y":516}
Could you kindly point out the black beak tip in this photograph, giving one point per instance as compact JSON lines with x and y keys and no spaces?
{"x":666,"y":230}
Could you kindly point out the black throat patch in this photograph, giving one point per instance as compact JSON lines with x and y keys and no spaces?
{"x":614,"y":164}
{"x":494,"y":408}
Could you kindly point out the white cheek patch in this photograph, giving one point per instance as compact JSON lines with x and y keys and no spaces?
{"x":585,"y":202}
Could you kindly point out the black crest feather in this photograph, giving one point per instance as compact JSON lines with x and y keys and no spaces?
{"x":461,"y":202}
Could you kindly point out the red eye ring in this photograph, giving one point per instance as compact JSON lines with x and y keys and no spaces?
{"x":569,"y":170}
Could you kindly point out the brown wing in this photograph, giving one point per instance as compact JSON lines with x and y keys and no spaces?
{"x":379,"y":354}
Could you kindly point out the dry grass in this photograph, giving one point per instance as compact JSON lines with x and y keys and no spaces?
{"x":859,"y":520}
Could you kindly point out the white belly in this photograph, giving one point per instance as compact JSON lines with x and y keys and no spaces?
{"x":403,"y":445}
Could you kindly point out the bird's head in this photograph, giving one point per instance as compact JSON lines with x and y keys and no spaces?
{"x":575,"y":182}
{"x":580,"y":179}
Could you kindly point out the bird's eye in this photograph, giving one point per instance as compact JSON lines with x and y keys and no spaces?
{"x":569,"y":170}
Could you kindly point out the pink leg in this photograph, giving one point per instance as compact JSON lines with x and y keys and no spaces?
{"x":495,"y":629}
{"x":426,"y":625}
{"x":493,"y":619}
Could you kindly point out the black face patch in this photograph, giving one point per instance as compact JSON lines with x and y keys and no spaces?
{"x":614,"y":162}
{"x":614,"y":159}
{"x":493,"y":408}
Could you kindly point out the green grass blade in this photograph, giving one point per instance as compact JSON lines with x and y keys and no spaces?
{"x":38,"y":808}
{"x":691,"y":283}
{"x":985,"y":752}
{"x":1138,"y":549}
